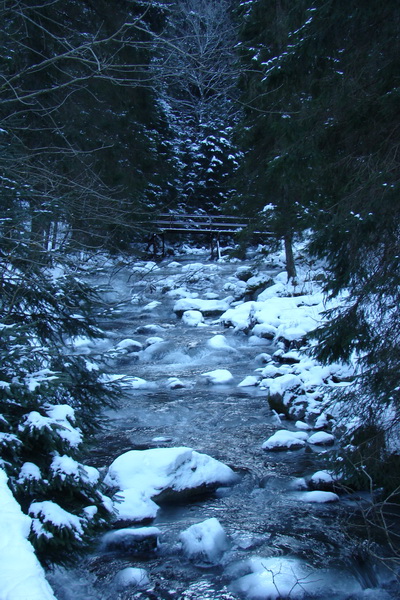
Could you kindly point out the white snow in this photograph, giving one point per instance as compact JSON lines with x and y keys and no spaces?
{"x":21,"y":576}
{"x":206,"y":307}
{"x":249,"y":381}
{"x":302,"y":426}
{"x":322,"y":477}
{"x":218,"y":376}
{"x":143,"y":474}
{"x":52,"y":512}
{"x":218,"y":342}
{"x":205,"y":542}
{"x":132,"y":577}
{"x":129,"y":345}
{"x":277,"y":577}
{"x":285,"y":440}
{"x":174,"y":383}
{"x":65,"y":465}
{"x":321,"y":438}
{"x":192,"y":318}
{"x":29,"y":471}
{"x":318,"y":497}
{"x":61,"y":416}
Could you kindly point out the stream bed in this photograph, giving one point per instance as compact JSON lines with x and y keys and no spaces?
{"x":261,"y":514}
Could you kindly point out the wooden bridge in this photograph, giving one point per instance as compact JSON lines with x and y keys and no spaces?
{"x":211,"y":225}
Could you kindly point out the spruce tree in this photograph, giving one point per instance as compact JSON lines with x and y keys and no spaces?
{"x":50,"y":396}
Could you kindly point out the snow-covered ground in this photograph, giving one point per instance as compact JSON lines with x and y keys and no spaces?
{"x":21,"y":575}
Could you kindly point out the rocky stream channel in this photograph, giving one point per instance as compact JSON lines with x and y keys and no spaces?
{"x":262,"y":517}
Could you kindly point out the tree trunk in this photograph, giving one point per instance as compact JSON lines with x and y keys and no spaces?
{"x":290,"y":266}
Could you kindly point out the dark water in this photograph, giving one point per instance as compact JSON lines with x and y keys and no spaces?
{"x":260,"y":514}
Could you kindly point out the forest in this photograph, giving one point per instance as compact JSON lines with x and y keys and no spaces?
{"x":113,"y":113}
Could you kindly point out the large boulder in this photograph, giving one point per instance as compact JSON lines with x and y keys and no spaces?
{"x":144,"y":477}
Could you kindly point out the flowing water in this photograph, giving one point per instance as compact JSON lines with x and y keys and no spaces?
{"x":261,"y":513}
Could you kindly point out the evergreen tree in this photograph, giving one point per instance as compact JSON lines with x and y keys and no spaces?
{"x":276,"y":175}
{"x":320,"y":136}
{"x":196,"y":66}
{"x":49,"y":398}
{"x":357,"y":232}
{"x":78,"y":108}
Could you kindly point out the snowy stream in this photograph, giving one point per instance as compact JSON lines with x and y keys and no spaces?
{"x":261,"y":514}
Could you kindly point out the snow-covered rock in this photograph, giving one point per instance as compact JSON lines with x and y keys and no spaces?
{"x":129,"y":345}
{"x":21,"y":575}
{"x":250,"y":380}
{"x":151,"y":305}
{"x":181,"y":292}
{"x":322,"y":480}
{"x":132,"y":577}
{"x":205,"y":542}
{"x":218,"y":342}
{"x":302,"y":426}
{"x":142,"y":540}
{"x":321,"y":438}
{"x":192,"y":318}
{"x":285,"y":440}
{"x":147,"y":475}
{"x":206,"y":307}
{"x":154,"y":339}
{"x":318,"y":497}
{"x":174,"y":383}
{"x":218,"y":376}
{"x":150,"y":329}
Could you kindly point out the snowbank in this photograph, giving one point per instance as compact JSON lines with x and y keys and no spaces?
{"x":21,"y":576}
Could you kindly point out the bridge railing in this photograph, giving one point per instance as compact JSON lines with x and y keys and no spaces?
{"x":201,"y":223}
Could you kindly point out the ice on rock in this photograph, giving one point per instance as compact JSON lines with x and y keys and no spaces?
{"x":205,"y":542}
{"x":219,"y":376}
{"x":285,"y":440}
{"x":132,"y":577}
{"x":144,"y":475}
{"x":192,"y":318}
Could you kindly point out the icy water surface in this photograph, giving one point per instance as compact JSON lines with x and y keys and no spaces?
{"x":261,"y":513}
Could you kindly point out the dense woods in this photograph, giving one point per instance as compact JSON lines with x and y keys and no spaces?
{"x":110,"y":112}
